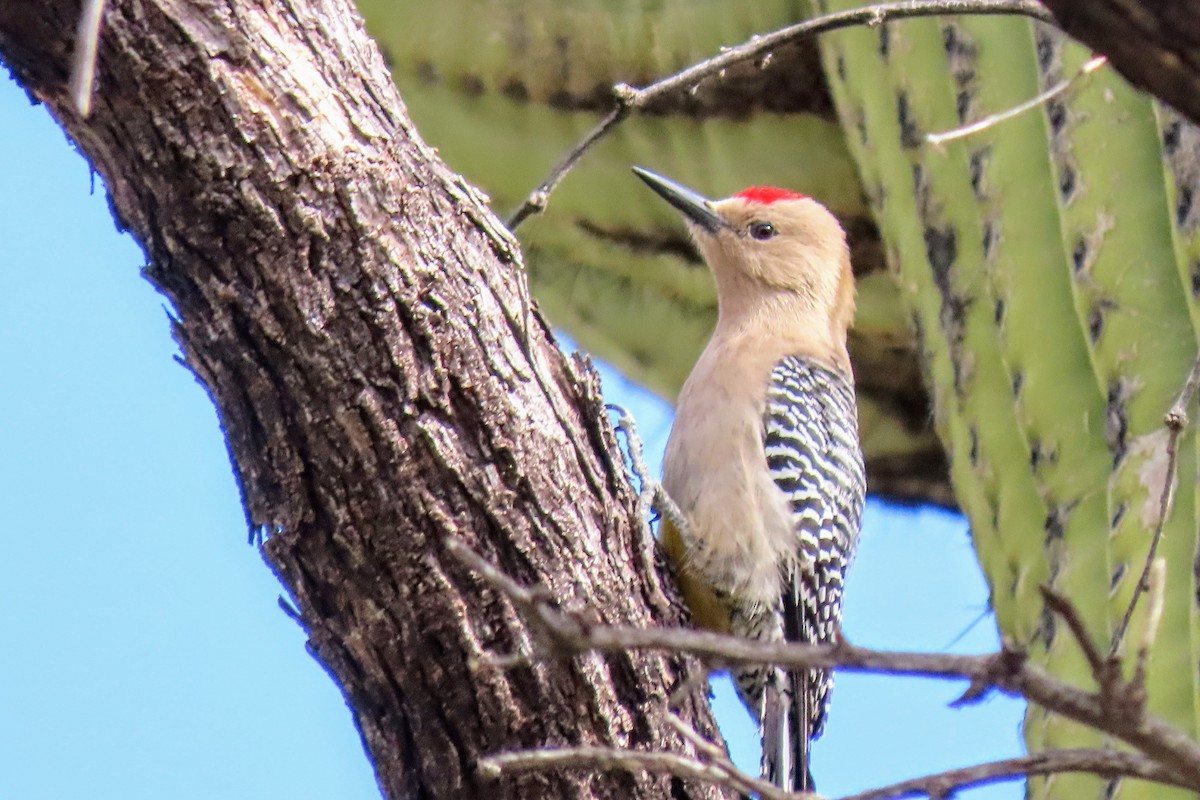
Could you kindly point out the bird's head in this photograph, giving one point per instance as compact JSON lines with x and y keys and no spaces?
{"x":769,"y":249}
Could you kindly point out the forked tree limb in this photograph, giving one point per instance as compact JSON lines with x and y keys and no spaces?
{"x":1113,"y":708}
{"x":1106,"y":763}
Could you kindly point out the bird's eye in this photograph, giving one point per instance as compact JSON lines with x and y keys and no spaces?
{"x":762,"y":230}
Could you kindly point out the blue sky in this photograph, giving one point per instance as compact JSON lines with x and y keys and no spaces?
{"x":145,"y":655}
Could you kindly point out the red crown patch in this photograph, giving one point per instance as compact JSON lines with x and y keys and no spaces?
{"x":768,"y":194}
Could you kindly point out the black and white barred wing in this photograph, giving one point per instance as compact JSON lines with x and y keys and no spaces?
{"x":813,"y":453}
{"x":810,"y":436}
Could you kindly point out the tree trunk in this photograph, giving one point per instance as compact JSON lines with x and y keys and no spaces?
{"x":356,"y":314}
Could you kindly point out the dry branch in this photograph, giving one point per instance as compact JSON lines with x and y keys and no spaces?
{"x":1040,"y":99}
{"x":1176,"y":421}
{"x":1106,"y":763}
{"x":601,"y":759}
{"x":628,"y":99}
{"x":1168,"y":748}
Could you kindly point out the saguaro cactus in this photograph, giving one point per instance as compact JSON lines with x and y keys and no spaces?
{"x":1049,"y":265}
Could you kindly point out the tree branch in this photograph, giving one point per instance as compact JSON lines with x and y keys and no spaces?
{"x":600,"y":759}
{"x":1176,"y":421}
{"x":628,"y":99}
{"x":1107,"y":763}
{"x":564,"y":631}
{"x":1040,"y":99}
{"x":717,"y":757}
{"x":1060,"y":605}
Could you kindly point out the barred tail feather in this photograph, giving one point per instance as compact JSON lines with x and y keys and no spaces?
{"x":775,"y":721}
{"x":786,"y":723}
{"x":800,"y":726}
{"x":800,"y":713}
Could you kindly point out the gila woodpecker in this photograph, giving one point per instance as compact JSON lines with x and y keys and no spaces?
{"x":764,"y":460}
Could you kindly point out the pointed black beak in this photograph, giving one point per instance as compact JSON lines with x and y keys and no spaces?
{"x":695,"y":207}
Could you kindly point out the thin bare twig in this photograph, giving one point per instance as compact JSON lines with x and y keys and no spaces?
{"x":1064,"y":608}
{"x":83,"y":63}
{"x":611,"y":758}
{"x":711,"y":750}
{"x":1008,"y":671}
{"x":1108,"y":763}
{"x":1155,"y":594}
{"x":1175,"y":420}
{"x":1118,"y":696}
{"x":736,"y":779}
{"x":653,"y":495}
{"x":1041,"y":98}
{"x":717,"y":757}
{"x":648,"y":492}
{"x":637,"y":461}
{"x":628,"y":99}
{"x":536,"y":202}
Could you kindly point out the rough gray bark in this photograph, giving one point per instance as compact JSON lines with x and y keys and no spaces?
{"x":1155,"y":44}
{"x":354,"y":311}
